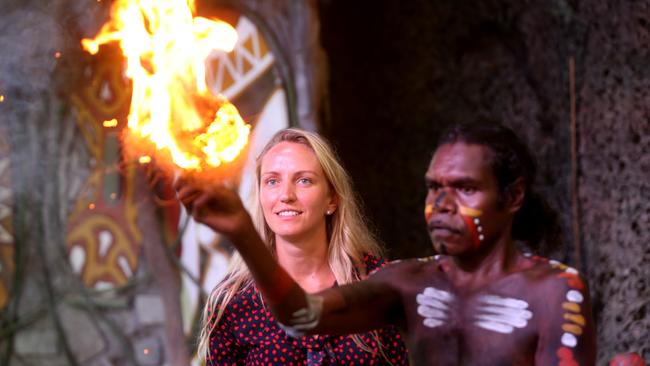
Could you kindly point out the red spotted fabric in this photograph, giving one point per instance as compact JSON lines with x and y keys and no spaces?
{"x":247,"y":334}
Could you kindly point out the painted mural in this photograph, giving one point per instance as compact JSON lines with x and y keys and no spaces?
{"x":102,"y":236}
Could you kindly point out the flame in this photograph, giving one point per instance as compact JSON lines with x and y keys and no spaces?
{"x":110,"y":123}
{"x":165,"y":47}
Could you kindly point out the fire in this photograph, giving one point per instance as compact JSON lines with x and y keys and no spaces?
{"x":165,"y":46}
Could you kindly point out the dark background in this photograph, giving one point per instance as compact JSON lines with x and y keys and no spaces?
{"x":402,"y":70}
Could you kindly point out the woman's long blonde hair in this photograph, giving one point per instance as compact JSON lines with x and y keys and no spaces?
{"x":349,"y":237}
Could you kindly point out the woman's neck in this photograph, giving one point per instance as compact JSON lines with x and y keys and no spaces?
{"x":306,"y":262}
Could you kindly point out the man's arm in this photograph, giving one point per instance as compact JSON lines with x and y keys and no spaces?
{"x":353,"y":308}
{"x":567,"y":331}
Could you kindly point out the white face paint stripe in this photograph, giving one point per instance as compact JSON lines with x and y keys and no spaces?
{"x":574,"y":296}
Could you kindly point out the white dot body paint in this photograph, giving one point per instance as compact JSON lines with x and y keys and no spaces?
{"x":569,"y":340}
{"x":572,"y":270}
{"x":574,"y":296}
{"x":477,"y":221}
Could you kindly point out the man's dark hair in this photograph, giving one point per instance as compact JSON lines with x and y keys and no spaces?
{"x":536,"y":223}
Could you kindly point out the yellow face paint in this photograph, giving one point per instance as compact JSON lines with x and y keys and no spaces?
{"x":468,"y":211}
{"x":428,"y":210}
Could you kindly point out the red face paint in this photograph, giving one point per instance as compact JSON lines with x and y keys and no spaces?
{"x":473,"y":223}
{"x":428,"y":212}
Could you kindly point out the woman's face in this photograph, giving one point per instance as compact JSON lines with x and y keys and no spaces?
{"x":294,"y":192}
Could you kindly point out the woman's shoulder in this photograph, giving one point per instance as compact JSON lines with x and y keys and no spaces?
{"x":244,"y":298}
{"x":373,"y":262}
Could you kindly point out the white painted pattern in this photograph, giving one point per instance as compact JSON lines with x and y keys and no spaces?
{"x":433,"y":306}
{"x":569,"y":340}
{"x":502,"y":314}
{"x":233,"y":66}
{"x":306,"y":318}
{"x":574,"y":296}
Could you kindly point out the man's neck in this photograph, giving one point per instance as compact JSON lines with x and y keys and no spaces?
{"x":474,"y":271}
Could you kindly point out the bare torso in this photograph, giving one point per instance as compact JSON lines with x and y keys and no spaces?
{"x":519,"y":319}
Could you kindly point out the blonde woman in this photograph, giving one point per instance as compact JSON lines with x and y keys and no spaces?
{"x":307,"y":215}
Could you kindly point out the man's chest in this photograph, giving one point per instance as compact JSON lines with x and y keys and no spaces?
{"x":495,"y":323}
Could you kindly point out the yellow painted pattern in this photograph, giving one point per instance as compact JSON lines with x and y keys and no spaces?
{"x":572,"y":328}
{"x":103,"y":268}
{"x":428,"y":210}
{"x":576,"y":318}
{"x":468,"y":211}
{"x":105,"y":97}
{"x":571,"y":306}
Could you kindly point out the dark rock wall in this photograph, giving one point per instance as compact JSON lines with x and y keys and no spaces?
{"x":401,"y":71}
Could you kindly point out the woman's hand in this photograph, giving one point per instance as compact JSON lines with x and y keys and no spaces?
{"x":218,"y":206}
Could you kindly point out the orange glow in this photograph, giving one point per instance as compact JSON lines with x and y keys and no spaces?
{"x":144,"y":159}
{"x":145,"y":351}
{"x":91,"y":206}
{"x":165,"y":47}
{"x":57,"y":54}
{"x":2,"y":98}
{"x":111,"y":123}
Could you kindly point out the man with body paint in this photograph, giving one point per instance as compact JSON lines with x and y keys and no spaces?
{"x":481,"y":301}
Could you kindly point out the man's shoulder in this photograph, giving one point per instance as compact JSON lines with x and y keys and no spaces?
{"x":409,"y":266}
{"x":553,"y":274}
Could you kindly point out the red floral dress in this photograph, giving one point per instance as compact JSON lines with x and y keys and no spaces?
{"x":247,"y":334}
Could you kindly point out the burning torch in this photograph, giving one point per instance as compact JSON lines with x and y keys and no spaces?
{"x":173,"y":117}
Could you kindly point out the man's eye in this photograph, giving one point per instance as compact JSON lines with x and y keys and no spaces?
{"x":271,"y":182}
{"x":467,"y":190}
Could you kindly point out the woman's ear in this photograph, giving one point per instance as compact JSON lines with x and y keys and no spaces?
{"x":515,"y":195}
{"x":333,"y":204}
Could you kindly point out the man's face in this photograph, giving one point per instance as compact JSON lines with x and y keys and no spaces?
{"x":462,"y":206}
